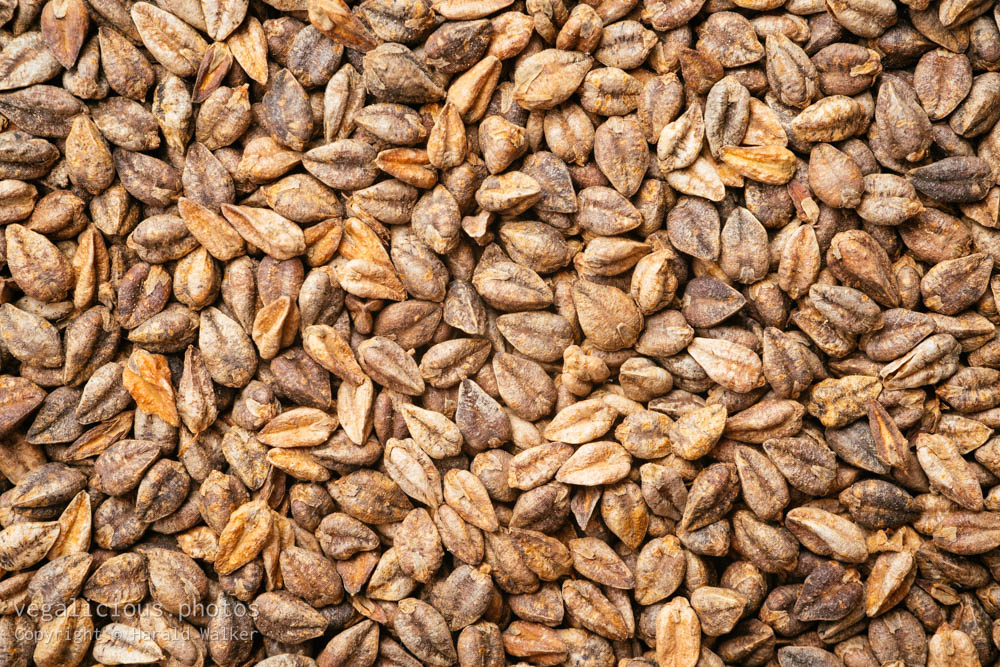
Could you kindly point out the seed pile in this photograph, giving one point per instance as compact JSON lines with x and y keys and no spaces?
{"x":483,"y":332}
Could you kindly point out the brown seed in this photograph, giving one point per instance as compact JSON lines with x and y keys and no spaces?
{"x":122,"y":643}
{"x":678,"y":634}
{"x":243,"y":537}
{"x":834,"y":177}
{"x":597,"y":561}
{"x":742,"y":247}
{"x":948,"y":471}
{"x":941,"y":81}
{"x":146,"y":378}
{"x":24,"y":544}
{"x":595,"y":464}
{"x":718,"y":609}
{"x":282,"y":617}
{"x":36,"y":265}
{"x":953,"y":179}
{"x":549,"y":77}
{"x":424,"y":631}
{"x":731,"y":365}
{"x":371,"y":497}
{"x":621,"y":153}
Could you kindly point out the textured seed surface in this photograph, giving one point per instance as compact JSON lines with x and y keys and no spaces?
{"x":481,"y":332}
